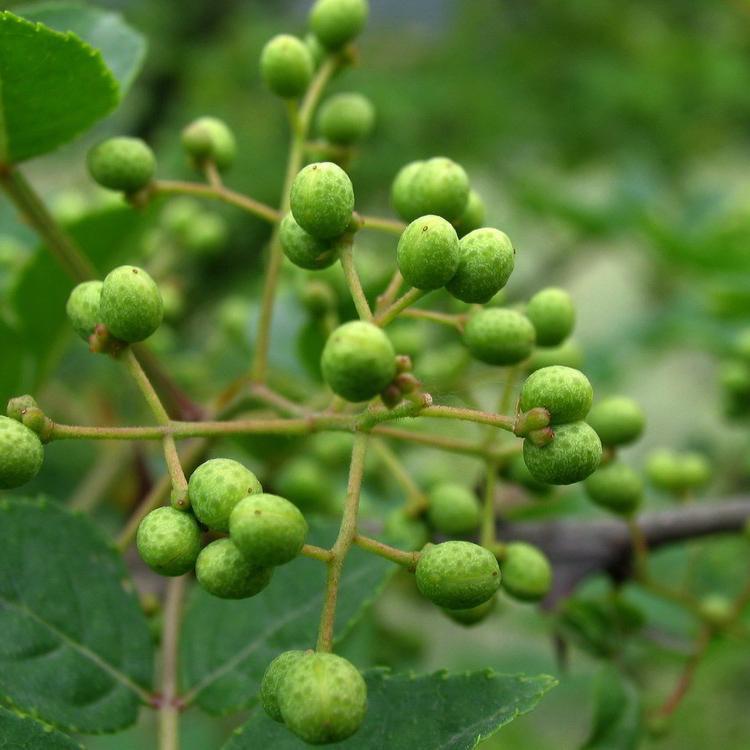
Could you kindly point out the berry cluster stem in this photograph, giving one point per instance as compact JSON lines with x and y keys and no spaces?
{"x":169,"y":731}
{"x":394,"y":310}
{"x":407,"y":559}
{"x":346,"y":255}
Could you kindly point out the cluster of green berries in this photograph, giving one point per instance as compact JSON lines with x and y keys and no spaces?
{"x":265,"y":531}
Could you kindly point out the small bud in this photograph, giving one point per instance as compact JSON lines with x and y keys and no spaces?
{"x":36,"y":420}
{"x":391,"y":396}
{"x":17,"y":405}
{"x":532,"y":420}
{"x":403,"y":363}
{"x":541,"y":437}
{"x":407,"y":383}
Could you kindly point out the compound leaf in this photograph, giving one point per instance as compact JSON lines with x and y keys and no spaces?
{"x":18,"y":731}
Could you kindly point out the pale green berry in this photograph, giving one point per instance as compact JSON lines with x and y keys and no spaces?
{"x":322,"y":698}
{"x":615,"y":487}
{"x":453,"y":508}
{"x":322,"y":200}
{"x":406,"y":531}
{"x":21,"y":454}
{"x":518,"y":472}
{"x":223,"y":571}
{"x":457,"y":575}
{"x":346,"y":118}
{"x":441,"y":187}
{"x":569,"y":353}
{"x":485,"y":264}
{"x":472,"y":615}
{"x":125,"y":164}
{"x":303,"y":249}
{"x":428,"y":252}
{"x":717,"y":610}
{"x":573,"y":454}
{"x":403,"y":196}
{"x":337,"y":22}
{"x":552,"y":313}
{"x":677,"y":472}
{"x":473,"y":215}
{"x":527,"y":574}
{"x":317,"y":51}
{"x":210,"y":139}
{"x":169,"y":541}
{"x":82,"y":307}
{"x":206,"y":233}
{"x":131,"y":306}
{"x":499,"y":336}
{"x":286,"y":66}
{"x":272,"y":678}
{"x":307,"y":484}
{"x":618,"y":420}
{"x":566,"y":393}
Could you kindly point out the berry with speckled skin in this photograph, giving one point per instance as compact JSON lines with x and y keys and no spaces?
{"x":358,"y":361}
{"x":286,"y":66}
{"x":485,"y":264}
{"x":428,"y":252}
{"x":569,"y":353}
{"x":499,"y":337}
{"x":125,"y":164}
{"x":472,"y":615}
{"x":169,"y":541}
{"x":677,"y":472}
{"x":216,"y":487}
{"x":453,"y":508}
{"x":267,"y":529}
{"x":573,"y":454}
{"x":618,"y":420}
{"x":225,"y":572}
{"x":303,"y":249}
{"x":457,"y":575}
{"x":441,"y":187}
{"x":527,"y":574}
{"x":566,"y":393}
{"x":130,"y":304}
{"x":272,"y":678}
{"x":402,"y":191}
{"x":21,"y":454}
{"x":322,"y":698}
{"x":473,"y":215}
{"x":517,"y":471}
{"x":210,"y":139}
{"x":336,"y":22}
{"x":346,"y":118}
{"x":615,"y":487}
{"x":83,"y":308}
{"x":322,"y":200}
{"x":552,"y":313}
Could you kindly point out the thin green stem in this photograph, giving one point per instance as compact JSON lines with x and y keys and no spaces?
{"x":380,"y":223}
{"x":506,"y":398}
{"x":346,"y":256}
{"x":169,"y":710}
{"x":390,"y":293}
{"x":416,"y":499}
{"x":470,"y":415}
{"x":93,"y":488}
{"x":407,"y":559}
{"x":316,"y":553}
{"x":144,"y":384}
{"x":445,"y":319}
{"x":487,"y":536}
{"x":393,"y":311}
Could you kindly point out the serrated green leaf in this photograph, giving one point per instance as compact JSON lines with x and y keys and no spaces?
{"x":227,"y":645}
{"x":17,"y":731}
{"x":53,"y":86}
{"x":426,"y":712}
{"x":122,"y":47}
{"x":75,"y":648}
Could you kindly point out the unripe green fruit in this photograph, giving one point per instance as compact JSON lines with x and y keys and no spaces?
{"x":286,"y":66}
{"x":125,"y":164}
{"x":306,"y":484}
{"x":696,"y":470}
{"x":457,"y":575}
{"x":406,"y":531}
{"x":408,"y":337}
{"x":272,"y":678}
{"x":573,"y":454}
{"x":318,"y":297}
{"x":485,"y":264}
{"x":615,"y":487}
{"x":428,"y":252}
{"x":518,"y":472}
{"x":473,"y":215}
{"x":717,"y":610}
{"x":358,"y":361}
{"x":334,"y":449}
{"x":21,"y":454}
{"x":569,"y":353}
{"x":83,"y":308}
{"x":741,"y":346}
{"x":527,"y":574}
{"x":499,"y":336}
{"x":565,"y":393}
{"x":322,"y":200}
{"x":224,"y":572}
{"x":618,"y":420}
{"x":735,"y":378}
{"x":441,"y":368}
{"x":210,"y":139}
{"x":402,"y":191}
{"x":317,"y":51}
{"x":206,"y":233}
{"x":677,"y":473}
{"x":216,"y":487}
{"x":441,"y":187}
{"x":453,"y":508}
{"x":169,"y":541}
{"x":553,"y":315}
{"x":303,"y":249}
{"x":472,"y":615}
{"x":322,"y":698}
{"x":130,"y":304}
{"x":336,"y":22}
{"x":267,"y":529}
{"x":346,"y":118}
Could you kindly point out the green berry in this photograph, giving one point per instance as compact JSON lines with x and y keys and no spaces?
{"x":473,"y":215}
{"x":406,"y":531}
{"x":735,"y":378}
{"x":573,"y":454}
{"x":499,"y":336}
{"x":272,"y":678}
{"x":125,"y":164}
{"x":307,"y":484}
{"x":83,"y":308}
{"x":472,"y":615}
{"x":21,"y":454}
{"x":216,"y":487}
{"x":358,"y":361}
{"x":552,"y":313}
{"x":615,"y":487}
{"x":566,"y":393}
{"x":336,"y":22}
{"x":210,"y":139}
{"x":527,"y":574}
{"x":402,"y":191}
{"x":322,"y":698}
{"x":169,"y":541}
{"x":442,"y":367}
{"x":267,"y":529}
{"x":717,"y":610}
{"x":618,"y":420}
{"x":441,"y":187}
{"x":303,"y":249}
{"x":741,"y":346}
{"x":428,"y":252}
{"x":286,"y":66}
{"x":130,"y":304}
{"x":484,"y":267}
{"x":457,"y":575}
{"x":224,"y":571}
{"x":569,"y":353}
{"x":696,"y":470}
{"x":518,"y":472}
{"x":677,"y":473}
{"x":316,"y":49}
{"x":453,"y":508}
{"x":346,"y":118}
{"x":322,"y":200}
